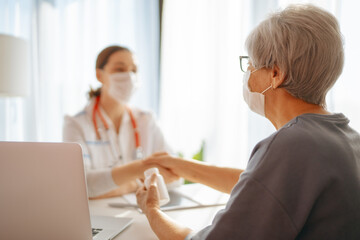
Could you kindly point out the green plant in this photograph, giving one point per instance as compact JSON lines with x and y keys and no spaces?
{"x":198,"y":156}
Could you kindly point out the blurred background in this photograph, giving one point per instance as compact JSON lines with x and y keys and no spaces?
{"x":187,"y":53}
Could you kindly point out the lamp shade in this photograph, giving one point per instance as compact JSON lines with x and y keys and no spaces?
{"x":14,"y":67}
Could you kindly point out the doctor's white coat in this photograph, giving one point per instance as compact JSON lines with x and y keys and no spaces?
{"x":113,"y":149}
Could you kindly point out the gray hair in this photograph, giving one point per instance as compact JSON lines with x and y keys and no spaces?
{"x":305,"y":42}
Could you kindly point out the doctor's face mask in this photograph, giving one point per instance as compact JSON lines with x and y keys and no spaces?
{"x":255,"y":100}
{"x":122,"y":86}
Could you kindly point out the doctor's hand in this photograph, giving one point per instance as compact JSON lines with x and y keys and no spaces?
{"x":148,"y":199}
{"x":165,"y":161}
{"x":168,"y":175}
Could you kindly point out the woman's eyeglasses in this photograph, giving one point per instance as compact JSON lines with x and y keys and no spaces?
{"x":244,"y":63}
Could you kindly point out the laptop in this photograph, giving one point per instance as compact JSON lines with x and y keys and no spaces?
{"x":43,"y":194}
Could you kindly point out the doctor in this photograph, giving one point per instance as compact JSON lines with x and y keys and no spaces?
{"x":112,"y":134}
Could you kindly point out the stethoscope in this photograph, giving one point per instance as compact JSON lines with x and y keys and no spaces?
{"x":138,"y":150}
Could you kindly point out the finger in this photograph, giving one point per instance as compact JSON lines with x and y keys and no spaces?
{"x":139,"y":191}
{"x":159,"y":154}
{"x":167,"y":172}
{"x":156,"y":157}
{"x":140,"y":197}
{"x":139,"y":183}
{"x":159,"y":159}
{"x":170,"y":178}
{"x":153,"y":193}
{"x":143,"y":188}
{"x":153,"y":179}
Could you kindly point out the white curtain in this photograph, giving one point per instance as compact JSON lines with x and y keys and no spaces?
{"x":15,"y":20}
{"x":201,"y":91}
{"x":65,"y":37}
{"x":201,"y":83}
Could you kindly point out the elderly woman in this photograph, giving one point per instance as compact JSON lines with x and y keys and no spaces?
{"x":303,"y":181}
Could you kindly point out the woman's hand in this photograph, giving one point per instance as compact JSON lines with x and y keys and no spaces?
{"x":155,"y":160}
{"x":163,"y":226}
{"x":148,"y":199}
{"x":168,"y":175}
{"x":165,"y":161}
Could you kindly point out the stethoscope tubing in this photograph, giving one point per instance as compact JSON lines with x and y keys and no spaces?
{"x":96,"y":111}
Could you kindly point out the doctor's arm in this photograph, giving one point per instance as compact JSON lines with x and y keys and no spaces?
{"x":99,"y":181}
{"x":220,"y":178}
{"x":103,"y":183}
{"x":123,"y":178}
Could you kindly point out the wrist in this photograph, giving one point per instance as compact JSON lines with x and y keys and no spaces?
{"x":141,"y":167}
{"x":189,"y":169}
{"x":127,"y":172}
{"x":152,"y":211}
{"x":183,"y":166}
{"x":137,"y":169}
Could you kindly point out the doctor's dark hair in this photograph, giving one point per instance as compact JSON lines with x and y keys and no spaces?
{"x":101,"y":61}
{"x":305,"y":42}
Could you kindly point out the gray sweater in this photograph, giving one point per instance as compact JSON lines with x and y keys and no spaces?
{"x":302,"y":182}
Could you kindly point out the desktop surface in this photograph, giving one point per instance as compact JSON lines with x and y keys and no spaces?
{"x":194,"y":218}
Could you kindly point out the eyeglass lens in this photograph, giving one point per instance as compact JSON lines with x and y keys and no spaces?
{"x":244,"y":63}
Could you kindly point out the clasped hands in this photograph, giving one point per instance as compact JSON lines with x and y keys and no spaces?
{"x":148,"y":199}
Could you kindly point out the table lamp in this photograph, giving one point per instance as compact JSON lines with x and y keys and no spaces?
{"x":14,"y":67}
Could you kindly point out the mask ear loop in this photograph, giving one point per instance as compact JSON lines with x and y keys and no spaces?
{"x":255,"y":70}
{"x":266,"y":89}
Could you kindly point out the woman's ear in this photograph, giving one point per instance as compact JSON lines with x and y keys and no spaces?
{"x":277,"y":77}
{"x":99,"y":74}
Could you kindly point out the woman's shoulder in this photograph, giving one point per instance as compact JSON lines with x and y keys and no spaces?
{"x":310,"y":129}
{"x":303,"y":140}
{"x":79,"y":117}
{"x":76,"y":116}
{"x":290,"y":142}
{"x":142,"y":114}
{"x":83,"y":113}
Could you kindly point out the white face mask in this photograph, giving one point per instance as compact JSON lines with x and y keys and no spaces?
{"x":255,"y":100}
{"x":122,"y":85}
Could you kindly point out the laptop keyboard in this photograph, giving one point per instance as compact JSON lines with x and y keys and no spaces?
{"x":96,"y":231}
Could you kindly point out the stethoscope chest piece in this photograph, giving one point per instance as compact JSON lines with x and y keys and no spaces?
{"x":138,"y":154}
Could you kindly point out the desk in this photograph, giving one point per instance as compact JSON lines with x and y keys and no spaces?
{"x":196,"y":218}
